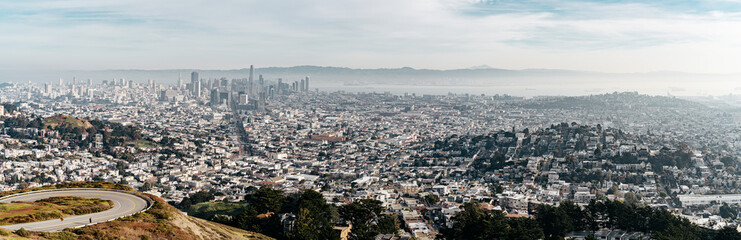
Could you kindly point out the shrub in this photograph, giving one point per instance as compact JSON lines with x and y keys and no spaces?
{"x":64,"y":235}
{"x":22,"y":232}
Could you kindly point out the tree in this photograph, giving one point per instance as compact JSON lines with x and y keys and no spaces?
{"x":247,"y":219}
{"x":575,"y":213}
{"x":388,"y":224}
{"x":432,"y":199}
{"x":146,"y":186}
{"x":362,"y":214}
{"x":267,"y":199}
{"x":523,"y":229}
{"x":727,"y":212}
{"x":201,"y":196}
{"x":727,"y":233}
{"x":554,"y":221}
{"x":631,"y":198}
{"x":315,"y":218}
{"x":185,"y":203}
{"x":476,"y":224}
{"x":306,"y":227}
{"x":676,"y":232}
{"x":9,"y":107}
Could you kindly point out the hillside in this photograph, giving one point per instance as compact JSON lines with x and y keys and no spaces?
{"x":162,"y":221}
{"x":64,"y":121}
{"x":50,"y":208}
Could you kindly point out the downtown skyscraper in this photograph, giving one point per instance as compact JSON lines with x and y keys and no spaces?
{"x":195,"y":84}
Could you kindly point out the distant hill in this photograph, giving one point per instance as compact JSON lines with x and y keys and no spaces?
{"x":612,"y":102}
{"x":64,"y":121}
{"x":162,"y":221}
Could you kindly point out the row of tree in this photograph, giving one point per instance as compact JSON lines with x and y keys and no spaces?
{"x":551,"y":222}
{"x":304,"y":215}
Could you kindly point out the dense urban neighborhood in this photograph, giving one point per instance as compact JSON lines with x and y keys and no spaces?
{"x":257,"y":153}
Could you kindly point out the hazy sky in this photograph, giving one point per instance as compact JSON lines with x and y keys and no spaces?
{"x":609,"y":36}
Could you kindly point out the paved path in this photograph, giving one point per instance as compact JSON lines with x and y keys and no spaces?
{"x":123,"y":204}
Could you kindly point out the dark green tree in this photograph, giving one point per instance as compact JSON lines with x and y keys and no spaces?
{"x":432,"y":199}
{"x":523,"y":229}
{"x":388,"y":224}
{"x":727,"y":212}
{"x":362,"y":214}
{"x":575,"y":213}
{"x":185,"y":203}
{"x":267,"y":199}
{"x":201,"y":196}
{"x":554,"y":221}
{"x":247,"y":219}
{"x":475,"y":223}
{"x":315,"y":218}
{"x":727,"y":233}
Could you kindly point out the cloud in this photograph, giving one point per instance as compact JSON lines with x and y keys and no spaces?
{"x":385,"y":33}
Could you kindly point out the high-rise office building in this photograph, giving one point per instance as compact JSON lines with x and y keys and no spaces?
{"x":215,"y":97}
{"x":307,"y":84}
{"x":252,"y":73}
{"x":243,"y":98}
{"x":280,"y":86}
{"x":224,"y":84}
{"x":195,"y":84}
{"x":198,"y":88}
{"x":253,"y":88}
{"x":180,"y":80}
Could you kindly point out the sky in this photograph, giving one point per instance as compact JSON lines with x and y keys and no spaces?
{"x":603,"y":36}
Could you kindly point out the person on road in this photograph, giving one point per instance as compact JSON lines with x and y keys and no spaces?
{"x":61,"y":219}
{"x":91,"y":220}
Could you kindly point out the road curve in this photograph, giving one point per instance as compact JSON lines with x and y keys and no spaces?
{"x":124,"y":204}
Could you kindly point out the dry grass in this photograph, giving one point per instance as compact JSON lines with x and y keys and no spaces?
{"x":50,"y":208}
{"x":67,"y":122}
{"x":104,"y":185}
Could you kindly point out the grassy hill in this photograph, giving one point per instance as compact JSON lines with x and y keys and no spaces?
{"x":50,"y":208}
{"x":162,"y":221}
{"x":64,"y":121}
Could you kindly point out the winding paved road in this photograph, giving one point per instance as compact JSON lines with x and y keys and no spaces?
{"x":123,"y":204}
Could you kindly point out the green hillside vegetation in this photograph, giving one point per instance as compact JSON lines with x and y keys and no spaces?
{"x":141,"y":144}
{"x":50,"y":208}
{"x":79,"y":131}
{"x":556,"y":222}
{"x":315,"y":218}
{"x":64,"y":121}
{"x":9,"y":107}
{"x":208,"y":210}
